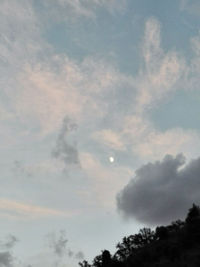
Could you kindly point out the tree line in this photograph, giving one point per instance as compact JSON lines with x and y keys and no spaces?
{"x":174,"y":245}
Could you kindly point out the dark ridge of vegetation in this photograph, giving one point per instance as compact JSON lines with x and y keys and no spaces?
{"x":175,"y":245}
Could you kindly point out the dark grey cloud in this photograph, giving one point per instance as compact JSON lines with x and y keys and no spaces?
{"x":6,"y":259}
{"x":65,"y":151}
{"x":162,"y":191}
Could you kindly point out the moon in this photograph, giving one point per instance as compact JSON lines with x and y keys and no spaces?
{"x":111,"y":159}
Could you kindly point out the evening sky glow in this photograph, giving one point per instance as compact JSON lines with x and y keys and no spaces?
{"x":91,"y":90}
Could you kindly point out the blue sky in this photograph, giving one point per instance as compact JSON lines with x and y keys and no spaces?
{"x":83,"y":81}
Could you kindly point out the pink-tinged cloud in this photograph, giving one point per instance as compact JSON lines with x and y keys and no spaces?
{"x":19,"y":210}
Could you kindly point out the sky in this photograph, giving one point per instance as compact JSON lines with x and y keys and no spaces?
{"x":99,"y":124}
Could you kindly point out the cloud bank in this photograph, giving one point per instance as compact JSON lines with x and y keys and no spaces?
{"x":162,"y":191}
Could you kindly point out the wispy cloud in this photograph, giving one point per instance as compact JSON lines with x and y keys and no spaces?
{"x":9,"y":243}
{"x":77,"y":90}
{"x":161,"y":74}
{"x":60,"y":245}
{"x":109,"y":138}
{"x":161,"y":71}
{"x":83,"y":8}
{"x":64,"y":151}
{"x":20,"y":210}
{"x":192,"y":6}
{"x":150,"y":143}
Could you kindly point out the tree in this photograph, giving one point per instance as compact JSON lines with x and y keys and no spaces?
{"x":133,"y":242}
{"x":161,"y":233}
{"x":193,"y":213}
{"x":147,"y":236}
{"x":177,"y":225}
{"x":125,"y":248}
{"x":193,"y":224}
{"x":84,"y":264}
{"x":106,"y":258}
{"x":97,"y":262}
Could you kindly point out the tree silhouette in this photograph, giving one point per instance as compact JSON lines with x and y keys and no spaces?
{"x":162,"y":233}
{"x":106,"y":258}
{"x":125,"y":248}
{"x":97,"y":262}
{"x":174,"y":245}
{"x":84,"y":264}
{"x":193,"y":213}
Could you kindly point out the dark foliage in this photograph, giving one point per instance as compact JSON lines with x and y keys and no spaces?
{"x":175,"y":245}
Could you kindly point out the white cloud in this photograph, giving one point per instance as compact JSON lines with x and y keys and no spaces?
{"x":191,"y":80}
{"x":160,"y":72}
{"x":160,"y":75}
{"x":20,"y":33}
{"x":149,"y":143}
{"x":109,"y":138}
{"x":48,"y":92}
{"x":71,"y":9}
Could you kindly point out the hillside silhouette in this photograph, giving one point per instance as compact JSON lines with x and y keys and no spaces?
{"x":174,"y":245}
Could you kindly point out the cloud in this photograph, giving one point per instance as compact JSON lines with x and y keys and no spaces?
{"x":192,"y":6}
{"x":109,"y":138}
{"x":20,"y":44}
{"x":162,"y":191}
{"x":191,"y":80}
{"x":6,"y":259}
{"x":79,"y":255}
{"x":58,"y":244}
{"x":70,"y":9}
{"x":64,"y":151}
{"x":20,"y":39}
{"x":147,"y":142}
{"x":50,"y":90}
{"x":20,"y":210}
{"x":150,"y":143}
{"x":41,"y":167}
{"x":47,"y":86}
{"x":160,"y":72}
{"x":104,"y":181}
{"x":9,"y":243}
{"x":159,"y":76}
